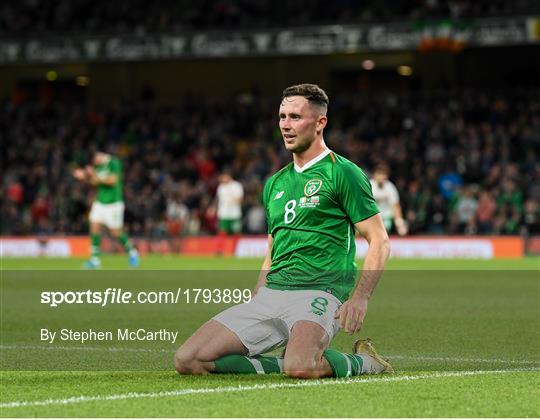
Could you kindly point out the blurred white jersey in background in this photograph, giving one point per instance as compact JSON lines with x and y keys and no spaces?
{"x":229,"y":197}
{"x":386,"y":197}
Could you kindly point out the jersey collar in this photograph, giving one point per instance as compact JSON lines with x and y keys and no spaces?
{"x":313,"y":161}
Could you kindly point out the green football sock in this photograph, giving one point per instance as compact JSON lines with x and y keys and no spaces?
{"x":343,"y":364}
{"x":244,"y":364}
{"x":95,"y":239}
{"x":124,"y":241}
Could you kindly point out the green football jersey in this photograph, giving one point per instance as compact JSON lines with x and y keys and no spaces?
{"x":311,"y":215}
{"x":107,"y":194}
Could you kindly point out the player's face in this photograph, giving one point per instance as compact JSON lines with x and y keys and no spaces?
{"x":298,"y":122}
{"x":100,"y":158}
{"x":225,"y":178}
{"x":380,"y":177}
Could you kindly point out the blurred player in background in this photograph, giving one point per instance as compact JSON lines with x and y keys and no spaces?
{"x":387,"y":197}
{"x":108,"y":208}
{"x":307,"y":287}
{"x":229,"y":196}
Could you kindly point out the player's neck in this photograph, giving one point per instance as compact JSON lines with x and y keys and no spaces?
{"x":317,"y":147}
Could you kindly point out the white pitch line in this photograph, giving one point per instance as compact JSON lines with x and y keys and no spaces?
{"x":459,"y":359}
{"x":85,"y":348}
{"x":260,"y":387}
{"x":148,"y":350}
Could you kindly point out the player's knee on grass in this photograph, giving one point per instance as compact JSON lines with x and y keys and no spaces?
{"x":193,"y":362}
{"x":182,"y":362}
{"x":187,"y":364}
{"x":302,"y":367}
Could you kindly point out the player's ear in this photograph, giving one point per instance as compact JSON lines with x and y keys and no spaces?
{"x":321,"y":123}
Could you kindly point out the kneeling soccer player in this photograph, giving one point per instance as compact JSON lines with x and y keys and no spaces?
{"x":306,"y":289}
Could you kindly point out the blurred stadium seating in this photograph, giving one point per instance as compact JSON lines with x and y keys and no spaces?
{"x":30,"y":17}
{"x":483,"y":142}
{"x":463,"y":147}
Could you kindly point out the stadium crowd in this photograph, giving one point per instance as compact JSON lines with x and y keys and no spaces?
{"x":38,"y":17}
{"x":463,"y":163}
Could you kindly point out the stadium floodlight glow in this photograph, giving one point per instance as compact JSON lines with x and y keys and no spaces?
{"x":82,"y":81}
{"x":51,"y":75}
{"x":368,"y":64}
{"x":405,"y":70}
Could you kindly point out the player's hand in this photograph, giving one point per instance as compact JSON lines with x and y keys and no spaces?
{"x":351,"y":314}
{"x":89,"y":170}
{"x":79,"y":174}
{"x":402,"y":230}
{"x":402,"y":227}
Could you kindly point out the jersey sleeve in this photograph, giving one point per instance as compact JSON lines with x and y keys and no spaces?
{"x":354,"y":193}
{"x":265,"y":201}
{"x":115,"y":166}
{"x":394,"y":195}
{"x":239,"y":190}
{"x":219,"y":190}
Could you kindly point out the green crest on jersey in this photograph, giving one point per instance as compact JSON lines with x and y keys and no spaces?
{"x":312,"y":186}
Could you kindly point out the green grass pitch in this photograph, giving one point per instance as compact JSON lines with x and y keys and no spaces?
{"x":463,"y":335}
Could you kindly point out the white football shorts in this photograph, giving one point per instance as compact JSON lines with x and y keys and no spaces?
{"x":265,"y":323}
{"x":110,"y":215}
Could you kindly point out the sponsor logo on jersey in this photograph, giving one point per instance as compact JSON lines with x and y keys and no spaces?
{"x":309,"y":202}
{"x":312,"y":187}
{"x":279,"y":195}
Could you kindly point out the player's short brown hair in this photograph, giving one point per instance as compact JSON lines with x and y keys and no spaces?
{"x":313,"y":93}
{"x":382,"y":167}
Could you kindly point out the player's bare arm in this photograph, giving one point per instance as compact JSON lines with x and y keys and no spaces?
{"x":93,"y":179}
{"x":79,"y":174}
{"x":261,"y":281}
{"x":89,"y":176}
{"x":351,"y":314}
{"x":401,"y":225}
